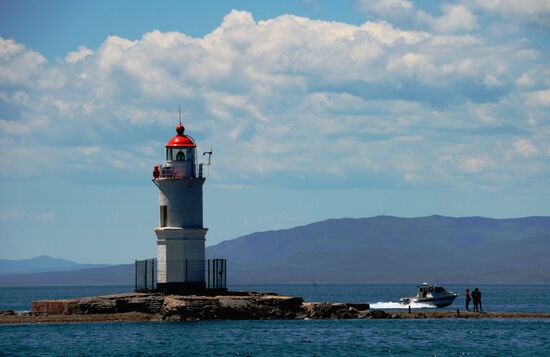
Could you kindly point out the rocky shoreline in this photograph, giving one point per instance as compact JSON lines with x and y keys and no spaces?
{"x":232,"y":306}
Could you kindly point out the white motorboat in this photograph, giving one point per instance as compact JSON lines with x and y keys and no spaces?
{"x":431,"y":294}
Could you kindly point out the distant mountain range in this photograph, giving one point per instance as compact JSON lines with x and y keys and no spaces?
{"x":387,"y":249}
{"x":380,"y":249}
{"x":41,"y":264}
{"x":111,"y":275}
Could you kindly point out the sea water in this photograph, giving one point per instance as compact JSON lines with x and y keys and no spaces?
{"x":491,"y":337}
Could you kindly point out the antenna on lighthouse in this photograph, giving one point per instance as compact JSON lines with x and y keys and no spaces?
{"x":179,"y":106}
{"x":209,"y":153}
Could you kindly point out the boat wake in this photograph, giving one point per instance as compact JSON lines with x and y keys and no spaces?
{"x":397,"y":305}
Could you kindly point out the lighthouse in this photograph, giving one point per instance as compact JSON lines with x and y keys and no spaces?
{"x":180,"y":266}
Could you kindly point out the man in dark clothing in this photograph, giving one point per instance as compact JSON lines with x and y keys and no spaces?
{"x":468,"y":299}
{"x":476,"y":297}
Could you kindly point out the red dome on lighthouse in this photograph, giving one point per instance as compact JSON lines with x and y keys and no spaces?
{"x":181,"y":140}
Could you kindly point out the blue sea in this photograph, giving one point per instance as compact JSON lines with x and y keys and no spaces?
{"x":423,"y":337}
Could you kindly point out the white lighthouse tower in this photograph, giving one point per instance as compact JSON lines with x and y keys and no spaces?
{"x":180,"y":234}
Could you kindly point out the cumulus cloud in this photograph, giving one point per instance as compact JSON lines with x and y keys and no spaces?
{"x":387,"y":8}
{"x":537,"y":11}
{"x":458,"y":16}
{"x":17,"y":63}
{"x":286,"y":101}
{"x":75,"y":56}
{"x":453,"y":17}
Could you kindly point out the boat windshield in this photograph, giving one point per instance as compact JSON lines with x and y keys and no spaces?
{"x":439,"y":289}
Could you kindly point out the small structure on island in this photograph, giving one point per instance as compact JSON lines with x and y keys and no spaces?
{"x":181,"y":266}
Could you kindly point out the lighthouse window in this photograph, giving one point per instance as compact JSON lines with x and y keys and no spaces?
{"x":180,"y":156}
{"x":168,"y":154}
{"x":163,"y":216}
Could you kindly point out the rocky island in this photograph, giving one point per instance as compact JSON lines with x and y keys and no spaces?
{"x":231,"y":306}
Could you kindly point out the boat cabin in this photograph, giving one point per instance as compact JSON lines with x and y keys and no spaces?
{"x":425,"y":290}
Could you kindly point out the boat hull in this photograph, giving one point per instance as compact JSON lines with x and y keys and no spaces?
{"x":441,"y":301}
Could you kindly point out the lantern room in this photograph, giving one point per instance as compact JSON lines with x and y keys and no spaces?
{"x":181,"y":156}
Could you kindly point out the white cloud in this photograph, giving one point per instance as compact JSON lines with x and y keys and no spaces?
{"x":537,"y":11}
{"x":455,"y":18}
{"x":526,"y":80}
{"x":19,"y":128}
{"x":76,"y":56}
{"x":473,"y":165}
{"x":491,"y":80}
{"x":288,"y":100}
{"x":539,"y":98}
{"x":386,"y":8}
{"x":17,"y":63}
{"x":525,"y":148}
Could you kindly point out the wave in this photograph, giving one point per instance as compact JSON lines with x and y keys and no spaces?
{"x":397,"y":305}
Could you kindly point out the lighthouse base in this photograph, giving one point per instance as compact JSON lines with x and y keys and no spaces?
{"x":182,"y":288}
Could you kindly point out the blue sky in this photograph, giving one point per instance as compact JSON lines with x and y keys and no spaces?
{"x":314,"y":110}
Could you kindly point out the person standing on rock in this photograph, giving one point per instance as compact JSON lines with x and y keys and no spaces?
{"x":468,"y":299}
{"x":475,"y":299}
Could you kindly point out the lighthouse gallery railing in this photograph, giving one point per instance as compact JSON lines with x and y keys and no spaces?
{"x":181,"y":169}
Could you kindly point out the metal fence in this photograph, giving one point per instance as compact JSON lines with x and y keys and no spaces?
{"x":216,"y":273}
{"x":213,"y":272}
{"x":145,"y":275}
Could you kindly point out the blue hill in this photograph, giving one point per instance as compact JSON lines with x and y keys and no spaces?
{"x":388,"y":249}
{"x":40,"y":264}
{"x":381,"y":249}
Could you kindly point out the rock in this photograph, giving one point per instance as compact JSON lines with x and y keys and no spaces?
{"x":325,"y":310}
{"x":92,"y":306}
{"x":7,"y":312}
{"x":149,"y":305}
{"x":177,"y":308}
{"x":376,"y":314}
{"x":109,"y":304}
{"x":172,"y":306}
{"x":53,"y":307}
{"x":173,"y":318}
{"x":317,"y":310}
{"x":360,"y":307}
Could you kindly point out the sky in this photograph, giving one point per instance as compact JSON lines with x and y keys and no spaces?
{"x":313,"y":110}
